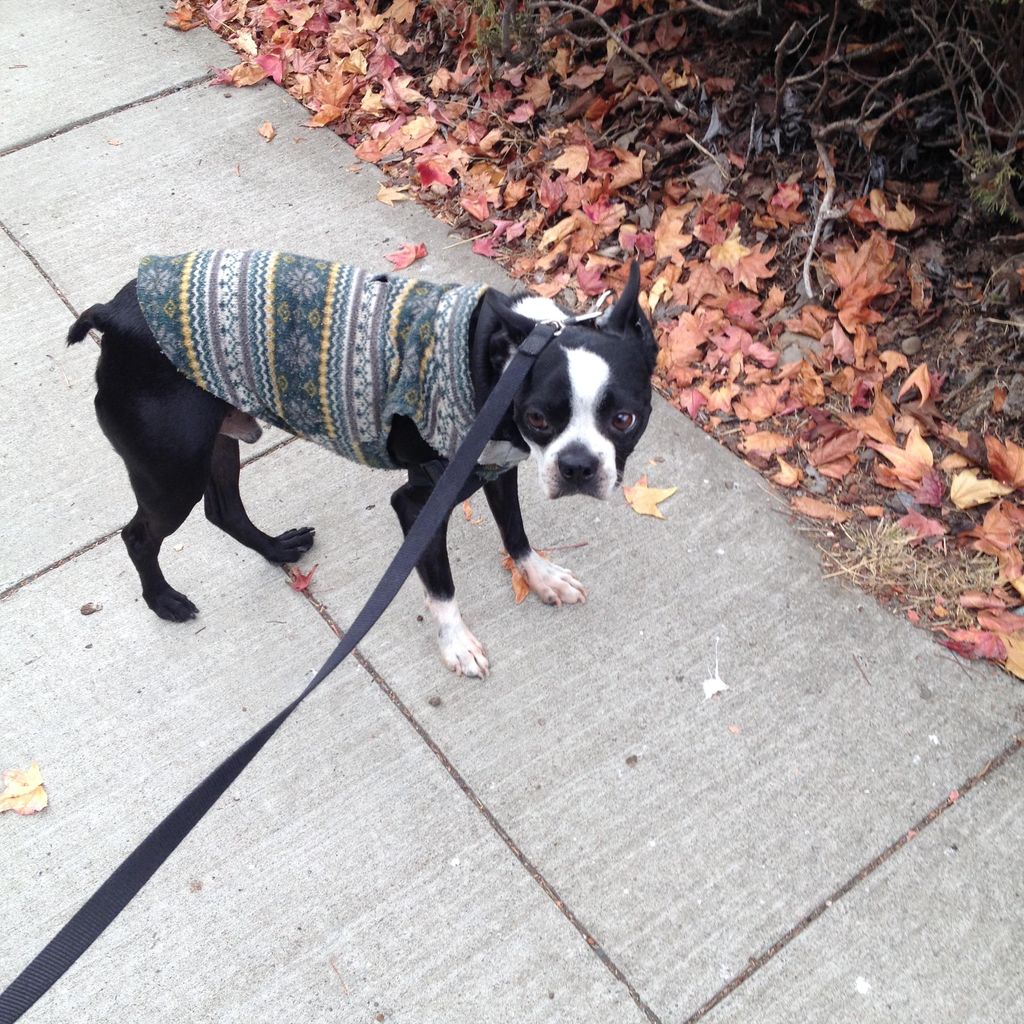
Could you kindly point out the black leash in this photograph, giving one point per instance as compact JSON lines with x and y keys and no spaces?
{"x":118,"y":890}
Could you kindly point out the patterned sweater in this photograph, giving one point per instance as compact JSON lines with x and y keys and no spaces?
{"x":323,"y":350}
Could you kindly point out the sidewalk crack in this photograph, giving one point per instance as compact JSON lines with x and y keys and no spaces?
{"x":534,"y":872}
{"x":754,"y":964}
{"x":93,"y":118}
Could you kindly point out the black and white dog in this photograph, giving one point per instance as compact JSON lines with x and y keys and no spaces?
{"x":581,"y":412}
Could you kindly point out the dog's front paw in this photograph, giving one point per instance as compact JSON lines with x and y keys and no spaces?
{"x":550,"y":582}
{"x":290,"y":546}
{"x":171,"y":605}
{"x":460,"y":650}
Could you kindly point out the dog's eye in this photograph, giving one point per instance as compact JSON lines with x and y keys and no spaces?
{"x":536,"y":420}
{"x":623,"y":421}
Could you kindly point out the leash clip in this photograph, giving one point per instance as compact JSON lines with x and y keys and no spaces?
{"x":595,"y":310}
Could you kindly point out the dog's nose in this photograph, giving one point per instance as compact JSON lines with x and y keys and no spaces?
{"x":577,"y":465}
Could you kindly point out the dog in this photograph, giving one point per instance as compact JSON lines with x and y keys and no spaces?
{"x":385,"y":370}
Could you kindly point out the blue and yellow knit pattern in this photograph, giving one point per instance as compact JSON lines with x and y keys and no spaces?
{"x":323,"y":350}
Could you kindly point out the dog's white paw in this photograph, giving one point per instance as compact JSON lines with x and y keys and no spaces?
{"x":460,"y":650}
{"x":550,"y":582}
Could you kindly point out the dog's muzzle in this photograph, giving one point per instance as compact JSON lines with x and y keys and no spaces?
{"x":578,"y":471}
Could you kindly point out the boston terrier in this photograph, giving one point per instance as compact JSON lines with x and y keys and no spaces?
{"x":386,"y":370}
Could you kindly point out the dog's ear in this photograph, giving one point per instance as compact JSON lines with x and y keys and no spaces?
{"x":505,"y":328}
{"x":627,"y":318}
{"x":623,"y":313}
{"x":516,"y":325}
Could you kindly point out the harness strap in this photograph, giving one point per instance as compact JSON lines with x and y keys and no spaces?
{"x":141,"y":864}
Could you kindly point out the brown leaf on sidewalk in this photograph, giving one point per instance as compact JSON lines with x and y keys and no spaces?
{"x":24,"y":792}
{"x":645,"y":500}
{"x":520,"y":588}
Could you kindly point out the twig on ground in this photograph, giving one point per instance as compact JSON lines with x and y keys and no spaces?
{"x":824,"y":212}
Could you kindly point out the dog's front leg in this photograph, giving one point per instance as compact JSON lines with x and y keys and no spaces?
{"x":550,"y":582}
{"x":460,"y":650}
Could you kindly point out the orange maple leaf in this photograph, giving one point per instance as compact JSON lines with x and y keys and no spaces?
{"x":752,"y":268}
{"x":520,"y":587}
{"x":910,"y":462}
{"x":861,"y":275}
{"x":645,"y":500}
{"x":1005,"y":462}
{"x":819,"y":509}
{"x":727,"y":254}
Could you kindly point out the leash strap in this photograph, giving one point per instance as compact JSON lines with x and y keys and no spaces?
{"x":142,"y":863}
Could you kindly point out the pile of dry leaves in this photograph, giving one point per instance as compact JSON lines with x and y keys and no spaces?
{"x":585,"y":157}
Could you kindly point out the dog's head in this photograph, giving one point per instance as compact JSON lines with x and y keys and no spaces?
{"x":587,"y":400}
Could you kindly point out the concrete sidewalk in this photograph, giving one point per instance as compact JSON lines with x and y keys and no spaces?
{"x":581,"y":837}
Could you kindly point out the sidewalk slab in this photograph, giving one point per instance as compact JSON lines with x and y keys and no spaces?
{"x":935,"y":935}
{"x":688,"y":835}
{"x":192,"y":172}
{"x":60,"y":63}
{"x":343,"y":876}
{"x":56,"y":467}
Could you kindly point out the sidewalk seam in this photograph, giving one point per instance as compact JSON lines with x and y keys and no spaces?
{"x":534,"y":872}
{"x":754,"y":964}
{"x":53,"y":133}
{"x":38,"y":268}
{"x":64,"y":559}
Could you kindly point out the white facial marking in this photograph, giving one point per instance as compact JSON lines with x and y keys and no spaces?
{"x":460,"y":650}
{"x":550,"y":582}
{"x":538,"y":308}
{"x":588,"y":378}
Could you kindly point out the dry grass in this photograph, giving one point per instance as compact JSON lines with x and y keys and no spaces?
{"x":880,"y":559}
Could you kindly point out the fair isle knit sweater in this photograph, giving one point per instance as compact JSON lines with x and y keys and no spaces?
{"x":321,"y":349}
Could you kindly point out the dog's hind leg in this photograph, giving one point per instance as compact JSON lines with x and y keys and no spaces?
{"x":164,"y":504}
{"x":224,"y":508}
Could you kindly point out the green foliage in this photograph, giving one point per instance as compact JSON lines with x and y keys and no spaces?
{"x":993,"y":180}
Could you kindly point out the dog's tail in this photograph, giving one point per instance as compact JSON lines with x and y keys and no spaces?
{"x":95,"y":317}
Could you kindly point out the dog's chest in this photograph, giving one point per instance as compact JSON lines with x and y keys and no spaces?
{"x":321,"y":349}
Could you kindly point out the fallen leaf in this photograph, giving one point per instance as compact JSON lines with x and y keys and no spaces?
{"x":910,"y":462}
{"x":520,"y":587}
{"x":267,"y":131}
{"x":727,"y":255}
{"x":391,"y":194}
{"x":1005,"y":462}
{"x":1014,"y":661}
{"x":975,"y":643}
{"x":24,"y":792}
{"x":300,"y":580}
{"x":787,"y":476}
{"x":91,"y":608}
{"x":574,"y":160}
{"x":644,"y":500}
{"x":816,"y":509}
{"x":766,"y":443}
{"x":407,"y":255}
{"x":921,"y":527}
{"x":967,"y":491}
{"x":902,"y":218}
{"x":1000,"y":620}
